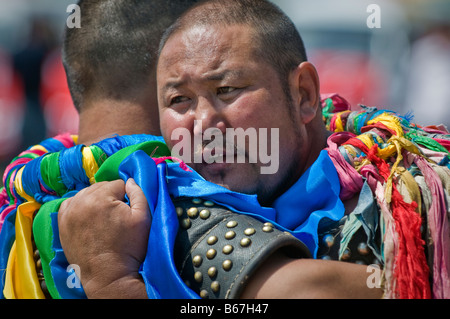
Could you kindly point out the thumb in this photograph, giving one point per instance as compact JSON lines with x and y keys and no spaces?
{"x":138,"y":201}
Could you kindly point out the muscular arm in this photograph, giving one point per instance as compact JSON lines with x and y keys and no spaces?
{"x":285,"y":278}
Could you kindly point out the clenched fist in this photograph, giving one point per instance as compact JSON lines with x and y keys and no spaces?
{"x":107,"y":238}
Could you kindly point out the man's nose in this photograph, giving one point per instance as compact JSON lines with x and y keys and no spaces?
{"x":207,"y":115}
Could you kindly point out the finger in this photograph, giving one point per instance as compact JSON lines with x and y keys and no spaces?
{"x":138,"y":201}
{"x":112,"y":190}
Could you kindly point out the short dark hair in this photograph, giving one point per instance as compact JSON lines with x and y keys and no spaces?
{"x":279,"y":42}
{"x":113,"y":54}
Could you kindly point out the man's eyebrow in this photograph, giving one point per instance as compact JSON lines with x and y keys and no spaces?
{"x":227,"y":74}
{"x":219,"y":76}
{"x":173,"y":85}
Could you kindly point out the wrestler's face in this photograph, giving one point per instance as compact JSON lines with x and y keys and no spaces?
{"x":211,"y":78}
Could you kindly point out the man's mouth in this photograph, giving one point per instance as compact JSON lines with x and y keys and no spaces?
{"x":219,"y":154}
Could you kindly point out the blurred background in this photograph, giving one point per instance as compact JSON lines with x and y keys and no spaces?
{"x":34,"y":99}
{"x":404,"y":65}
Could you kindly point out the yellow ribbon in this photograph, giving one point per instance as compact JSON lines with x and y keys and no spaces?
{"x":391,"y":121}
{"x":21,"y":280}
{"x":90,"y":165}
{"x":412,"y":188}
{"x":399,"y":143}
{"x":38,"y":147}
{"x":339,"y":126}
{"x":21,"y":277}
{"x":18,"y":186}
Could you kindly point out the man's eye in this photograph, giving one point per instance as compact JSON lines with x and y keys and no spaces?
{"x":178,"y":99}
{"x":225,"y":90}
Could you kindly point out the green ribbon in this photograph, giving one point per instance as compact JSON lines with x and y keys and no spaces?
{"x":109,"y":171}
{"x":43,"y":237}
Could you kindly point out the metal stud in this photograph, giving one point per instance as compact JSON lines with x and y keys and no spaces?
{"x":230,"y":235}
{"x":227,"y":249}
{"x":212,"y":272}
{"x":215,"y":286}
{"x":328,"y":240}
{"x":245,"y":242}
{"x":232,"y":224}
{"x":205,"y":213}
{"x":198,"y":276}
{"x":43,"y":285}
{"x":196,"y":201}
{"x":267,"y":229}
{"x":212,"y":240}
{"x":179,"y":211}
{"x":36,"y":254}
{"x":208,"y":203}
{"x":346,"y":255}
{"x":249,"y":231}
{"x":204,"y":294}
{"x":363,"y":249}
{"x":186,"y":223}
{"x":227,"y":264}
{"x":211,"y":253}
{"x":192,"y":212}
{"x":40,"y":274}
{"x":197,"y":260}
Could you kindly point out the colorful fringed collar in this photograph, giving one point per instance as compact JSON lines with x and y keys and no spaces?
{"x":385,"y":149}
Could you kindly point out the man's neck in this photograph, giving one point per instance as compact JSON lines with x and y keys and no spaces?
{"x":107,"y":118}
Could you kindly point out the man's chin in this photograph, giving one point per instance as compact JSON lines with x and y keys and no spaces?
{"x":228,"y":181}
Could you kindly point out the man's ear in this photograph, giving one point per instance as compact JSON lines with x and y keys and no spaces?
{"x":305,"y":91}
